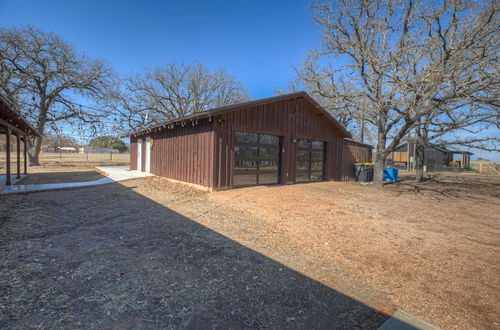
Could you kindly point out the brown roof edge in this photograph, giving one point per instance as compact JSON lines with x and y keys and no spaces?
{"x":227,"y":108}
{"x":360,"y":143}
{"x":18,"y":116}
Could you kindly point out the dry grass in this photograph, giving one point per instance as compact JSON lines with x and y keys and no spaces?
{"x":90,"y":159}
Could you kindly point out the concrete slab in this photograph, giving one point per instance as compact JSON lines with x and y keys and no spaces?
{"x":402,"y":320}
{"x":13,"y":178}
{"x":115,"y":174}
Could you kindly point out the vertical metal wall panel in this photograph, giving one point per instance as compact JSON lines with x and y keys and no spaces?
{"x":182,"y":153}
{"x":133,"y":153}
{"x":289,"y":119}
{"x":204,"y":154}
{"x":353,"y":152}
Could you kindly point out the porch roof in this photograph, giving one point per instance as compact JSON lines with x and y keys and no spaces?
{"x":10,"y":118}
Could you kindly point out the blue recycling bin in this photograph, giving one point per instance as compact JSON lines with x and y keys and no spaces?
{"x":391,"y":174}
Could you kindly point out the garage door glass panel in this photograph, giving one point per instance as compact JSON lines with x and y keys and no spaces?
{"x":268,"y":165}
{"x":244,"y":137}
{"x":245,"y":152}
{"x":256,"y":159}
{"x":310,"y":160}
{"x":269,"y":139}
{"x":269,"y":178}
{"x":245,"y":165}
{"x":244,"y":179}
{"x":268,"y":153}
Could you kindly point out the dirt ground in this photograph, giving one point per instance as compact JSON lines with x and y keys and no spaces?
{"x":47,"y":174}
{"x":321,"y":255}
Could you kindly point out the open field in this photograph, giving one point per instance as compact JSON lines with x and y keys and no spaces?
{"x":69,"y":159}
{"x":90,"y":159}
{"x":149,"y":253}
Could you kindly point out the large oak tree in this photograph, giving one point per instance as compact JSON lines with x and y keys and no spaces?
{"x":175,"y":90}
{"x":397,"y":65}
{"x":42,"y":75}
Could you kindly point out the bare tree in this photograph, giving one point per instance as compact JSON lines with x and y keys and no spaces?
{"x":175,"y":90}
{"x":42,"y":75}
{"x":460,"y":83}
{"x":376,"y":60}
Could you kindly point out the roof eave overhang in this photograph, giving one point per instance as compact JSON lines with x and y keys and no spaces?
{"x":218,"y":111}
{"x":16,"y":121}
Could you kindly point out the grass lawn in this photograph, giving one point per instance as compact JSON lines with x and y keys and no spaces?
{"x":149,"y":253}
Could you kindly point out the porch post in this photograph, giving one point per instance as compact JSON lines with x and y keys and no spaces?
{"x":7,"y":154}
{"x":25,"y":155}
{"x":18,"y":147}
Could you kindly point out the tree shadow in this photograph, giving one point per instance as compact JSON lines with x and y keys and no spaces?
{"x":108,"y":257}
{"x":449,"y":186}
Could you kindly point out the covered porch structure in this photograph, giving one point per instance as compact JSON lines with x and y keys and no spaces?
{"x":464,"y":157}
{"x":13,"y":127}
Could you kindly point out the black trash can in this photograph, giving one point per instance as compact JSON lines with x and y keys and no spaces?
{"x":363,"y":172}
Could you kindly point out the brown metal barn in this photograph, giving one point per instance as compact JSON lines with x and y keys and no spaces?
{"x":282,"y":139}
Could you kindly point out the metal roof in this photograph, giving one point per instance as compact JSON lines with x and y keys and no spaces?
{"x":238,"y":106}
{"x":15,"y":119}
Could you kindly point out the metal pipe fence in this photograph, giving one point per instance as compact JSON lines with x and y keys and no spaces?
{"x":87,"y":157}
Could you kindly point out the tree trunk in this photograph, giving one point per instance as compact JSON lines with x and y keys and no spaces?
{"x":419,"y":160}
{"x":378,"y":171}
{"x":34,"y":151}
{"x":36,"y":147}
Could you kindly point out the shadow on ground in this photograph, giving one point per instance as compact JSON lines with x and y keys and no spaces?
{"x":107,"y":257}
{"x":61,"y":177}
{"x":442,"y":186}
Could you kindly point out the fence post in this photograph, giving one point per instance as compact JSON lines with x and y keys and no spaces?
{"x":481,"y":168}
{"x":60,"y":155}
{"x":110,"y":155}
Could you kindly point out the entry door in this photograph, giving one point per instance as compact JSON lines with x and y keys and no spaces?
{"x":310,"y":161}
{"x":256,"y":159}
{"x":139,"y":154}
{"x":148,"y":154}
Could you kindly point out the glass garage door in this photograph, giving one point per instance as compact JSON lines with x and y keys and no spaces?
{"x":310,"y":161}
{"x":256,"y":159}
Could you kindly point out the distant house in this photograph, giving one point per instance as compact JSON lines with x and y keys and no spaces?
{"x":434,"y":156}
{"x":67,"y":149}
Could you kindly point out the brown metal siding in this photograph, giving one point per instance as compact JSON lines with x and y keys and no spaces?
{"x":203,"y":153}
{"x":183,"y":153}
{"x":133,"y":153}
{"x":290,"y":119}
{"x":353,"y":152}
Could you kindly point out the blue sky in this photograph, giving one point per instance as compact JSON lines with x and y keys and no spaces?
{"x":258,"y":41}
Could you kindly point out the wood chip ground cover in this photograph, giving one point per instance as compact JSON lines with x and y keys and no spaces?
{"x":150,"y":253}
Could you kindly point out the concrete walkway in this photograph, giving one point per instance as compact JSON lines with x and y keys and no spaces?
{"x":402,"y":320}
{"x":13,"y":179}
{"x":115,"y":174}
